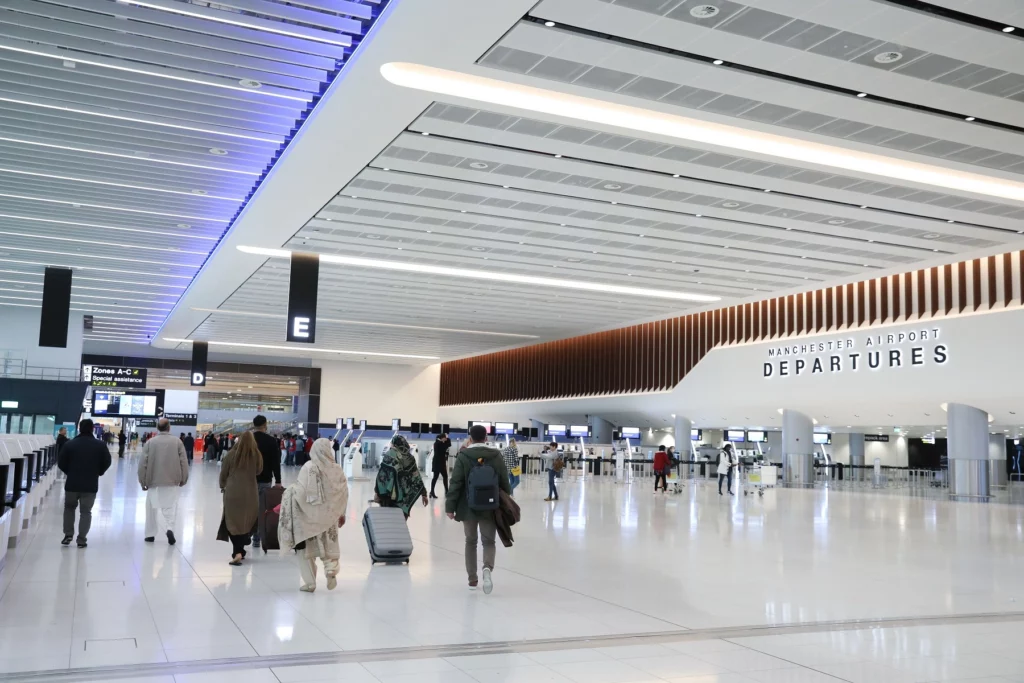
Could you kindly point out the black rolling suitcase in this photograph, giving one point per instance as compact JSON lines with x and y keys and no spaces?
{"x":268,"y":519}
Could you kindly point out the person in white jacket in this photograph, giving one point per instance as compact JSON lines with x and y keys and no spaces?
{"x":727,"y":462}
{"x":163,"y":470}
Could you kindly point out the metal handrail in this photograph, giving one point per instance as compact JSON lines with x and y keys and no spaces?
{"x":19,"y":368}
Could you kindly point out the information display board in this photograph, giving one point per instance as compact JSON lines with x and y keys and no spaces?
{"x":579,"y":430}
{"x":736,"y":435}
{"x":554,"y":430}
{"x":821,"y":438}
{"x":757,"y":436}
{"x":509,"y":428}
{"x":123,"y":404}
{"x":630,"y":432}
{"x":696,"y":434}
{"x":114,"y":376}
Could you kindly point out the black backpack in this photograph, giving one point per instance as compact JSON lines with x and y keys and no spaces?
{"x":482,"y":486}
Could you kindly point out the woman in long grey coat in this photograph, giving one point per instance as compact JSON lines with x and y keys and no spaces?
{"x":238,"y":473}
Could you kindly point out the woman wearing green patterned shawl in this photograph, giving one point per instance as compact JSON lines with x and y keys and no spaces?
{"x":399,"y":483}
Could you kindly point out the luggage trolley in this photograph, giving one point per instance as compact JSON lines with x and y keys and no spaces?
{"x":760,"y":477}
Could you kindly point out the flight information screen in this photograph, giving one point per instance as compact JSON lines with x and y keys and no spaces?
{"x":124,"y":405}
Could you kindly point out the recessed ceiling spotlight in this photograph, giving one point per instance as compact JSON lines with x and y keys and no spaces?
{"x":549,"y":24}
{"x":862,"y":94}
{"x":614,"y":202}
{"x":477,"y":164}
{"x":888,"y":57}
{"x":767,"y":190}
{"x":659,"y":270}
{"x":698,"y":215}
{"x":558,"y":156}
{"x":639,"y":235}
{"x":1008,"y":29}
{"x":479,"y":248}
{"x":424,"y":133}
{"x":836,"y":221}
{"x":864,"y":206}
{"x":199,"y":192}
{"x":718,"y":62}
{"x":730,"y":205}
{"x":372,"y":237}
{"x":505,"y":186}
{"x":969,"y":118}
{"x":612,"y":186}
{"x":951,"y":221}
{"x":931,"y":236}
{"x":573,"y":260}
{"x":935,"y":250}
{"x":704,"y":11}
{"x":184,"y":226}
{"x":250,"y":83}
{"x":218,"y":151}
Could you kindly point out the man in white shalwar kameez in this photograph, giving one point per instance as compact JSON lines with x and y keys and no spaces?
{"x":163,"y":470}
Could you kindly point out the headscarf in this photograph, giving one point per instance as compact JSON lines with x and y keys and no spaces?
{"x":399,"y":483}
{"x":313,"y":504}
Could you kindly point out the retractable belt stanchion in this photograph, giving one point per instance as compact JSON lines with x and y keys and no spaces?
{"x":17,"y":502}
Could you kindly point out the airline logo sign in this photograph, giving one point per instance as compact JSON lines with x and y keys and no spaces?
{"x":112,"y":376}
{"x":871,"y":352}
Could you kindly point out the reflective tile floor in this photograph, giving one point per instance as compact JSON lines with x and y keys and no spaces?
{"x":605,"y":561}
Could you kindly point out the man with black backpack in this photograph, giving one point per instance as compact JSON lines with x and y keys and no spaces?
{"x":473,"y":496}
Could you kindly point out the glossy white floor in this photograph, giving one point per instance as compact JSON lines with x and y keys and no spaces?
{"x":605,"y":560}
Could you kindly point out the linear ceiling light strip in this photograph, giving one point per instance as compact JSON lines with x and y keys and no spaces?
{"x":304,"y":348}
{"x":133,"y":157}
{"x":492,"y":276}
{"x":370,"y":324}
{"x":506,"y":94}
{"x":130,"y":119}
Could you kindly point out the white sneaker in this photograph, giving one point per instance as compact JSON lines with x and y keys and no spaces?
{"x":488,"y":584}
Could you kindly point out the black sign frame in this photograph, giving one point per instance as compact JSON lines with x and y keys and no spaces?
{"x":303,"y":284}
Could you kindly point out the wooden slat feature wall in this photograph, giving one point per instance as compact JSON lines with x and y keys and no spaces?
{"x":657,"y":356}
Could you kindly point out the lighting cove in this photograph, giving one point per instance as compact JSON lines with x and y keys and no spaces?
{"x":281,"y":347}
{"x":492,"y":276}
{"x":527,"y":98}
{"x":908,"y":349}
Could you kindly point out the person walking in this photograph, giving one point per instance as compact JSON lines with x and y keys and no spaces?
{"x":726,"y":464}
{"x":238,"y":473}
{"x":439,"y":463}
{"x":477,"y":467}
{"x":62,"y":438}
{"x":399,"y":482}
{"x":289,"y":459}
{"x":511,"y":456}
{"x":122,"y":439}
{"x":555,"y":464}
{"x":312,"y":510}
{"x":662,"y":465}
{"x":271,"y":472}
{"x":190,"y":446}
{"x":83,"y":460}
{"x":163,"y":470}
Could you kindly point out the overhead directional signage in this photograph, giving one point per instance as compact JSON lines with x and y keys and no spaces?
{"x":114,"y":376}
{"x":200,"y":353}
{"x":876,"y":437}
{"x":302,"y":293}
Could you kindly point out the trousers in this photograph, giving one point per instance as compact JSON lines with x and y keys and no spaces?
{"x":723,"y":477}
{"x":552,"y":489}
{"x":444,"y":475}
{"x":71,"y":501}
{"x":307,"y":568}
{"x":487,"y":531}
{"x":663,"y":478}
{"x":161,"y":509}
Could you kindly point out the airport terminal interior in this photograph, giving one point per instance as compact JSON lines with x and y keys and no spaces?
{"x":503,"y":341}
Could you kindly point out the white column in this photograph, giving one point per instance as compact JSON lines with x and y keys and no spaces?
{"x":967,"y":442}
{"x":684,"y":447}
{"x":797,"y":449}
{"x":857,"y":457}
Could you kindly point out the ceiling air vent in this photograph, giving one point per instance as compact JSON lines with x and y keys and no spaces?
{"x":704,"y":11}
{"x":888,"y":57}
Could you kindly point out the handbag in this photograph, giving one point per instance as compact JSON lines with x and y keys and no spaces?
{"x":517,"y":471}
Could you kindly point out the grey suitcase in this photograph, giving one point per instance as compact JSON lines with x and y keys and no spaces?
{"x":387,"y":535}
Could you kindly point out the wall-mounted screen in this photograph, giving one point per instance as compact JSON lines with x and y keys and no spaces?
{"x":757,"y":436}
{"x":488,"y":425}
{"x":630,"y":432}
{"x":396,"y":424}
{"x":362,"y":425}
{"x":415,"y":427}
{"x":554,"y":430}
{"x":696,"y":435}
{"x":435,"y":428}
{"x":736,"y":435}
{"x":509,"y":428}
{"x":124,"y":404}
{"x":822,"y":438}
{"x":350,"y":423}
{"x":579,"y":430}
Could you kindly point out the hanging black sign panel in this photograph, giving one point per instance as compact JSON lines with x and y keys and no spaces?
{"x":53,"y":319}
{"x":200,"y":351}
{"x":876,"y":437}
{"x":302,"y":290}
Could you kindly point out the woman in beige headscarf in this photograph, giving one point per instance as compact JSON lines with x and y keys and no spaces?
{"x":312,"y":509}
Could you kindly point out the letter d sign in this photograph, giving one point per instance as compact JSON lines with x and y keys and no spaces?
{"x":198,"y":379}
{"x":302,"y":294}
{"x":200,"y":352}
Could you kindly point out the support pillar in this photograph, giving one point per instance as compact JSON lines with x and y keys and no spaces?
{"x":600,"y":430}
{"x":967,"y":442}
{"x":857,"y":457}
{"x":997,"y":475}
{"x":684,"y":446}
{"x":797,"y":449}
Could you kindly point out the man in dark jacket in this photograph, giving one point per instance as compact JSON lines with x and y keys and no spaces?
{"x":476,"y":521}
{"x":190,"y":446}
{"x":62,"y":438}
{"x":271,"y":453}
{"x":122,"y":439}
{"x":439,"y":463}
{"x":83,"y":460}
